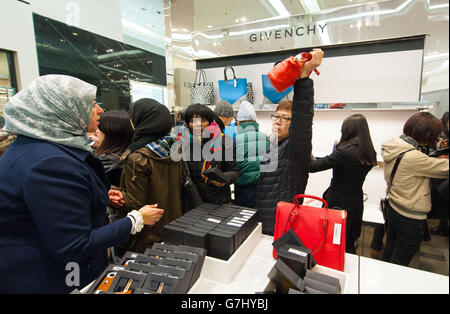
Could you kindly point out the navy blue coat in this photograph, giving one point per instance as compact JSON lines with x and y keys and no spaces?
{"x":52,"y":212}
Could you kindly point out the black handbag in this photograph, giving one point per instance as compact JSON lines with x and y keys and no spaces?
{"x":384,"y":202}
{"x":192,"y":197}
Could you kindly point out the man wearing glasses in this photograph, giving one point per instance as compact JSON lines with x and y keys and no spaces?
{"x":284,"y":169}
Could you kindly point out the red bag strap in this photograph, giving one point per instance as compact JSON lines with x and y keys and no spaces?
{"x":296,"y":197}
{"x":324,"y":219}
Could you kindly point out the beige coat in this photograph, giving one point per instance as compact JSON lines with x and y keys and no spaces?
{"x":410,"y":191}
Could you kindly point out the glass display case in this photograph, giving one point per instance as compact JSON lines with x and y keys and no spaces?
{"x":103,"y":62}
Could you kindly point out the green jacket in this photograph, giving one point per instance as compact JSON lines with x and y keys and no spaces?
{"x":149,"y":179}
{"x":251,"y":146}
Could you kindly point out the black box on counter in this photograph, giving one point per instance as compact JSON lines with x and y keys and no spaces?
{"x":164,"y":247}
{"x":290,"y":240}
{"x":325,"y":279}
{"x":129,"y":257}
{"x":125,"y":282}
{"x":196,"y":237}
{"x":147,"y":260}
{"x":156,"y":253}
{"x":173,"y":234}
{"x":285,"y":278}
{"x":104,"y":281}
{"x":221,"y":244}
{"x":162,"y":284}
{"x":296,"y":257}
{"x":223,"y":227}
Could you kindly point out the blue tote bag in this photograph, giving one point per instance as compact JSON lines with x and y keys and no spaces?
{"x":235,"y":89}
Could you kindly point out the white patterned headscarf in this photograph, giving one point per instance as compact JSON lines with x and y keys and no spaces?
{"x":56,"y":108}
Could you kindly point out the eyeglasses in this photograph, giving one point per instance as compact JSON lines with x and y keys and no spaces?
{"x":202,"y":120}
{"x":282,"y":119}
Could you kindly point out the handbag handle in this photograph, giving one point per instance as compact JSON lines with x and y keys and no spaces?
{"x":225,"y":73}
{"x":324,"y":219}
{"x":199,"y":77}
{"x":296,"y":197}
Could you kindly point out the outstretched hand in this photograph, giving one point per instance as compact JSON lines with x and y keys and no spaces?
{"x":309,"y":66}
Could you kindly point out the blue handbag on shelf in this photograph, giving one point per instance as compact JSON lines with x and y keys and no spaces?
{"x":270,"y":92}
{"x":235,"y":89}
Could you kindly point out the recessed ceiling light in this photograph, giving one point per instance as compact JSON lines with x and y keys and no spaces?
{"x":210,"y":26}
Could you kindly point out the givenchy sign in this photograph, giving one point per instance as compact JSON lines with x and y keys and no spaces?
{"x":296,"y":31}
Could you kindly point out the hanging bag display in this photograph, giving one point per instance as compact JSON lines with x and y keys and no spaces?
{"x":235,"y":90}
{"x":271,"y":95}
{"x":321,"y":230}
{"x":202,"y":92}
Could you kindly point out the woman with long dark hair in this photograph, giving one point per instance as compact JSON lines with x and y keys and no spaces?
{"x":352,"y":159}
{"x":114,"y":132}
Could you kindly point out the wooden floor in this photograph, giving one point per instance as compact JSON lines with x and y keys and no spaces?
{"x":433,"y":255}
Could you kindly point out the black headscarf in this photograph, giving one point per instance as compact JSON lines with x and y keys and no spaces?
{"x":151,"y":120}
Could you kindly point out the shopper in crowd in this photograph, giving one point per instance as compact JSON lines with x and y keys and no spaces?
{"x":54,"y":192}
{"x":206,"y":147}
{"x":291,"y":148}
{"x":439,"y":187}
{"x":150,"y":175}
{"x":409,"y":196}
{"x":351,"y":161}
{"x":224,"y":116}
{"x":114,"y":133}
{"x":442,"y":141}
{"x":251,"y":146}
{"x":179,"y":120}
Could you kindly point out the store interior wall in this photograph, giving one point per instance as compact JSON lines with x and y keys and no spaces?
{"x":18,"y":37}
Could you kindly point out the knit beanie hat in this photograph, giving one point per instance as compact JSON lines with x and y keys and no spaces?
{"x":224,"y":109}
{"x":246,"y":112}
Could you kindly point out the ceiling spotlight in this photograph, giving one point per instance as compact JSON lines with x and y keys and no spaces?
{"x":210,"y":26}
{"x":75,"y":34}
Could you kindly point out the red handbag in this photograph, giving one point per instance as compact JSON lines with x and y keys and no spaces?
{"x":285,"y":73}
{"x":321,"y":230}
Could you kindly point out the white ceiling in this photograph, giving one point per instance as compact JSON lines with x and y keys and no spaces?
{"x":210,"y":14}
{"x":143,"y":24}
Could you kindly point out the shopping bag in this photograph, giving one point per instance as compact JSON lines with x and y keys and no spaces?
{"x":236,"y":89}
{"x":271,"y":93}
{"x":202,"y":92}
{"x":321,"y":230}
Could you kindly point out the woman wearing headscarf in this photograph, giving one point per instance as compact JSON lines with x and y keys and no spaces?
{"x":149,"y":173}
{"x":53,"y":192}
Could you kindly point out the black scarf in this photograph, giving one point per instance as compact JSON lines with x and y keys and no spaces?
{"x":151,"y":120}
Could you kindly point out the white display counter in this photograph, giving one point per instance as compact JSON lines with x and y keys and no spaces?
{"x":252,"y":276}
{"x":381,"y":277}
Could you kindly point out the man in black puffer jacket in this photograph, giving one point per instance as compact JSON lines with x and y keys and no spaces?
{"x":285,"y":168}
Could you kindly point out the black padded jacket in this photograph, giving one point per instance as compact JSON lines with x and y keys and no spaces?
{"x":287,"y":177}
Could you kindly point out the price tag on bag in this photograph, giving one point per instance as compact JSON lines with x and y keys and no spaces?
{"x":337,"y":234}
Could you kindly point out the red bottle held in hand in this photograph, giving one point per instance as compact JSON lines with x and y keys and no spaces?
{"x":287,"y":72}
